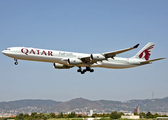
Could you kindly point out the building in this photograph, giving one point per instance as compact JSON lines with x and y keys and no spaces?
{"x":136,"y":110}
{"x":162,"y":118}
{"x":91,"y":113}
{"x":91,"y":118}
{"x":132,"y":116}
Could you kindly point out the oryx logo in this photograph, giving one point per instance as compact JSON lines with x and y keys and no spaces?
{"x":146,"y":53}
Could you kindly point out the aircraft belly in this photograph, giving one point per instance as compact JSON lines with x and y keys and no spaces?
{"x":114,"y":65}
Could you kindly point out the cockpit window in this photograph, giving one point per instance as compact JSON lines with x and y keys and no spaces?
{"x":8,"y":49}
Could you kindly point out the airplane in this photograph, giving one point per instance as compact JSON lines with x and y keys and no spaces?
{"x":67,"y":60}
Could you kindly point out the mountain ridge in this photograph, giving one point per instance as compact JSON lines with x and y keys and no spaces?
{"x":82,"y":104}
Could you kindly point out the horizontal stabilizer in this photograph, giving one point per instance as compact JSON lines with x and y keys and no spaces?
{"x":150,"y":61}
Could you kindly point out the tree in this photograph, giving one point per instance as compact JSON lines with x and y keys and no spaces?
{"x":94,"y":115}
{"x":52,"y":115}
{"x":45,"y":116}
{"x":34,"y":115}
{"x":60,"y":115}
{"x":142,"y":115}
{"x":149,"y":115}
{"x":79,"y":116}
{"x":164,"y":115}
{"x":104,"y":115}
{"x":135,"y":113}
{"x":20,"y":117}
{"x":115,"y":115}
{"x":121,"y":113}
{"x":108,"y":115}
{"x":65,"y":115}
{"x":156,"y":115}
{"x":40,"y":115}
{"x":26,"y":116}
{"x":73,"y":114}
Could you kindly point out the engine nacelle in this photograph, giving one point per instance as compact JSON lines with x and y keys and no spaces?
{"x":61,"y":66}
{"x":97,"y":57}
{"x":74,"y":61}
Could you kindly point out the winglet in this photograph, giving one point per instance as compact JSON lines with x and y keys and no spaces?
{"x":136,"y":46}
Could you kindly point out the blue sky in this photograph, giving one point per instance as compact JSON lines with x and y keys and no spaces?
{"x":86,"y":26}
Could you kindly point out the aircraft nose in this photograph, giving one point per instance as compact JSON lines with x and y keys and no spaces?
{"x":3,"y":51}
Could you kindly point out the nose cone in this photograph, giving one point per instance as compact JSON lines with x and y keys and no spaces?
{"x":3,"y":51}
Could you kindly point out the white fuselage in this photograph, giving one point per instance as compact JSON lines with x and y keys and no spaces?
{"x":53,"y":56}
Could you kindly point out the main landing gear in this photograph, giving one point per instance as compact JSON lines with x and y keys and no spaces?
{"x":16,"y":62}
{"x":84,"y":70}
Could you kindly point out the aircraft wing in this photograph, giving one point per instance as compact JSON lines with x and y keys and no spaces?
{"x":114,"y":53}
{"x":107,"y":55}
{"x":88,"y":60}
{"x":85,"y":59}
{"x":150,"y":61}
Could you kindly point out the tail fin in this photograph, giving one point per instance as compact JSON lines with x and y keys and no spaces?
{"x":145,"y":52}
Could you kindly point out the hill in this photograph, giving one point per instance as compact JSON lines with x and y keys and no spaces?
{"x":12,"y":105}
{"x":84,"y":105}
{"x":78,"y":103}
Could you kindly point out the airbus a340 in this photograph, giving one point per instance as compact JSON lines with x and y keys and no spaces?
{"x":66,"y":60}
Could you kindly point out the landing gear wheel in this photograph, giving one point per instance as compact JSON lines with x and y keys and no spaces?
{"x":79,"y":70}
{"x":82,"y":72}
{"x":16,"y":63}
{"x":85,"y":70}
{"x":91,"y":70}
{"x":15,"y":59}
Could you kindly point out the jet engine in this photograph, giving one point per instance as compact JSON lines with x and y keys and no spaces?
{"x":97,"y":57}
{"x":74,"y":61}
{"x":61,"y":66}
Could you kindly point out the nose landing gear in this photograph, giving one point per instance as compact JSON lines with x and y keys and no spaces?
{"x":16,"y":61}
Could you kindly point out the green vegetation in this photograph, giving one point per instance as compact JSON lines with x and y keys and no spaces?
{"x":73,"y":116}
{"x":113,"y":115}
{"x":150,"y":115}
{"x":45,"y":116}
